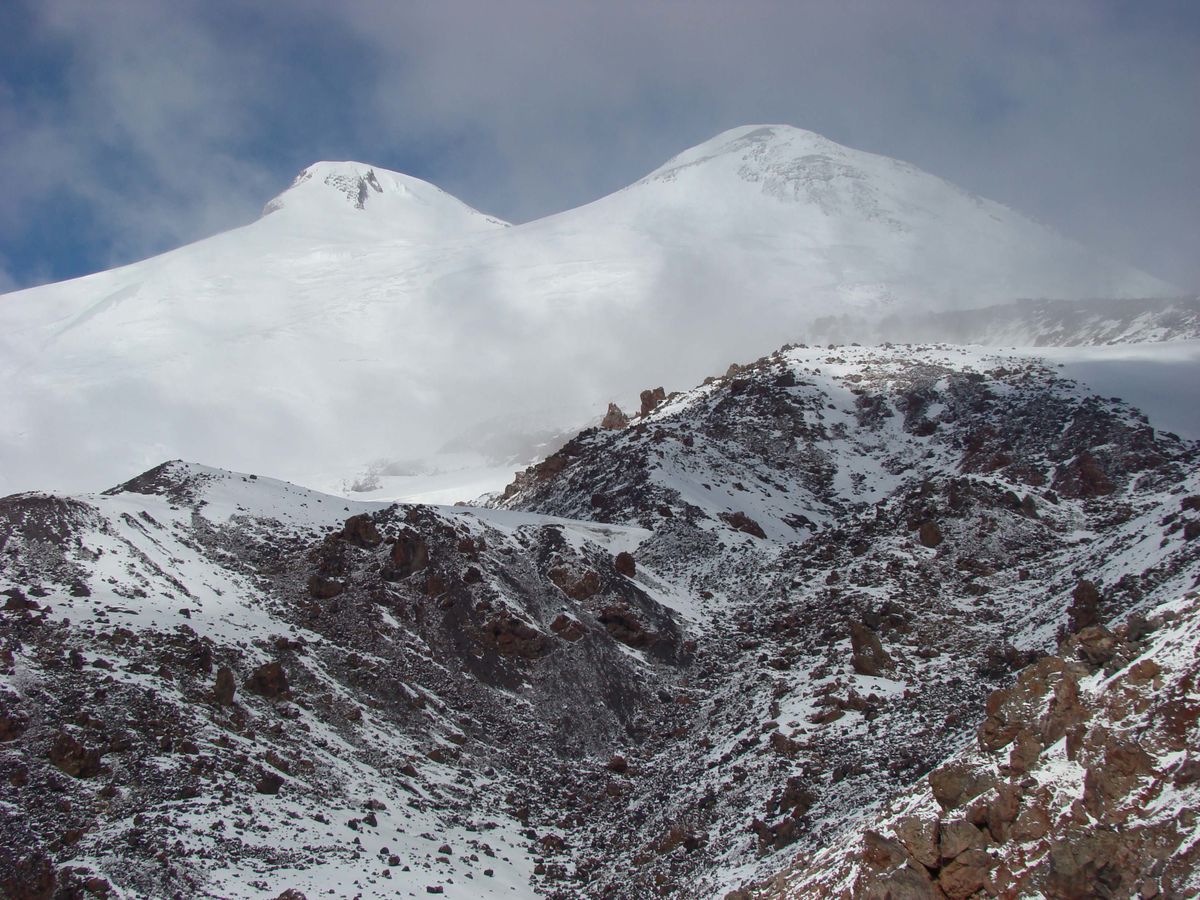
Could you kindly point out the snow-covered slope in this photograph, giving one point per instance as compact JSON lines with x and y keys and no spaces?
{"x":369,"y":316}
{"x":728,"y":632}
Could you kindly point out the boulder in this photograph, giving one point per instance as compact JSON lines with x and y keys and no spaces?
{"x":360,"y":531}
{"x":929,"y":534}
{"x":567,"y":627}
{"x":955,"y":783}
{"x":410,"y":554}
{"x":268,"y":680}
{"x":624,"y":564}
{"x":74,"y":758}
{"x":919,"y":835}
{"x":739,"y":521}
{"x":867,"y":654}
{"x":967,"y":873}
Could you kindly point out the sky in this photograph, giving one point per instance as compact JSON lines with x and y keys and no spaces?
{"x":133,"y":126}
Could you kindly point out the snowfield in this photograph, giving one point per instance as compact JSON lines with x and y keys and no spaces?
{"x":368,"y":319}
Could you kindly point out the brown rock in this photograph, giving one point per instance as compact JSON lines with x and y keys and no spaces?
{"x":614,"y":418}
{"x":929,"y":534}
{"x":360,"y":531}
{"x":1085,"y":606}
{"x":1025,"y":751}
{"x":625,"y":564}
{"x":1096,"y":644}
{"x":224,"y":688}
{"x":291,"y":894}
{"x":867,"y":654}
{"x":1002,"y":811}
{"x":269,"y":783}
{"x":567,"y":628}
{"x":1032,"y":824}
{"x":576,"y":585}
{"x":268,"y":680}
{"x":967,"y":873}
{"x":651,"y":398}
{"x":618,"y":764}
{"x":73,"y":757}
{"x":323,"y":588}
{"x":958,"y":837}
{"x":410,"y":554}
{"x":739,"y":521}
{"x":956,"y":783}
{"x":919,"y":835}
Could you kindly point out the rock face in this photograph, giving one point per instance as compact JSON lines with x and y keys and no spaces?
{"x":769,"y":695}
{"x":1095,"y":816}
{"x":651,"y":398}
{"x":614,"y":419}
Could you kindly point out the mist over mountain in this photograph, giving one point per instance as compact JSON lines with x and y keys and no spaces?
{"x":369,"y":320}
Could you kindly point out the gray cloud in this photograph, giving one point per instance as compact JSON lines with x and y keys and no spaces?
{"x":177,"y":120}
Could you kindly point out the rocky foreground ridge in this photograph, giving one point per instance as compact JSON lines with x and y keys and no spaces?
{"x":897,"y":621}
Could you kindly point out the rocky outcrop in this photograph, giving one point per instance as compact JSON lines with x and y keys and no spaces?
{"x":614,"y":419}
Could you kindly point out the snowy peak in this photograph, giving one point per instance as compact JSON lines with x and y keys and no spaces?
{"x":341,"y":189}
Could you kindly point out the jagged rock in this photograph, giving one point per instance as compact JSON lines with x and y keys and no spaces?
{"x":291,"y":894}
{"x":567,"y":627}
{"x":268,"y":680}
{"x":614,"y":418}
{"x":739,"y":521}
{"x":956,"y":783}
{"x":74,"y":758}
{"x":410,"y":554}
{"x":512,"y":637}
{"x":323,"y":588}
{"x":867,"y":654}
{"x":623,"y":626}
{"x":225,"y":687}
{"x":576,"y":585}
{"x":360,"y":531}
{"x":967,"y":873}
{"x":1083,"y":478}
{"x":624,"y":564}
{"x":269,"y":783}
{"x":919,"y":835}
{"x":651,"y":398}
{"x":1096,"y":644}
{"x":958,"y":836}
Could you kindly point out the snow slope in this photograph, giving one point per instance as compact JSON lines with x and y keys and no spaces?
{"x":369,"y":316}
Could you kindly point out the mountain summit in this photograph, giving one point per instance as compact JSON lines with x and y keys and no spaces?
{"x":400,"y":203}
{"x":369,"y":318}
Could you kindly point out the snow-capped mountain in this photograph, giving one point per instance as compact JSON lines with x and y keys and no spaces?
{"x":793,"y":621}
{"x":368,"y":318}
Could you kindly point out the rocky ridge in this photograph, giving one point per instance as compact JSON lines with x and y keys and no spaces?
{"x":739,"y":629}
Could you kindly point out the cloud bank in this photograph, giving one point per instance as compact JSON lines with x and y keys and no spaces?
{"x":134,"y":126}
